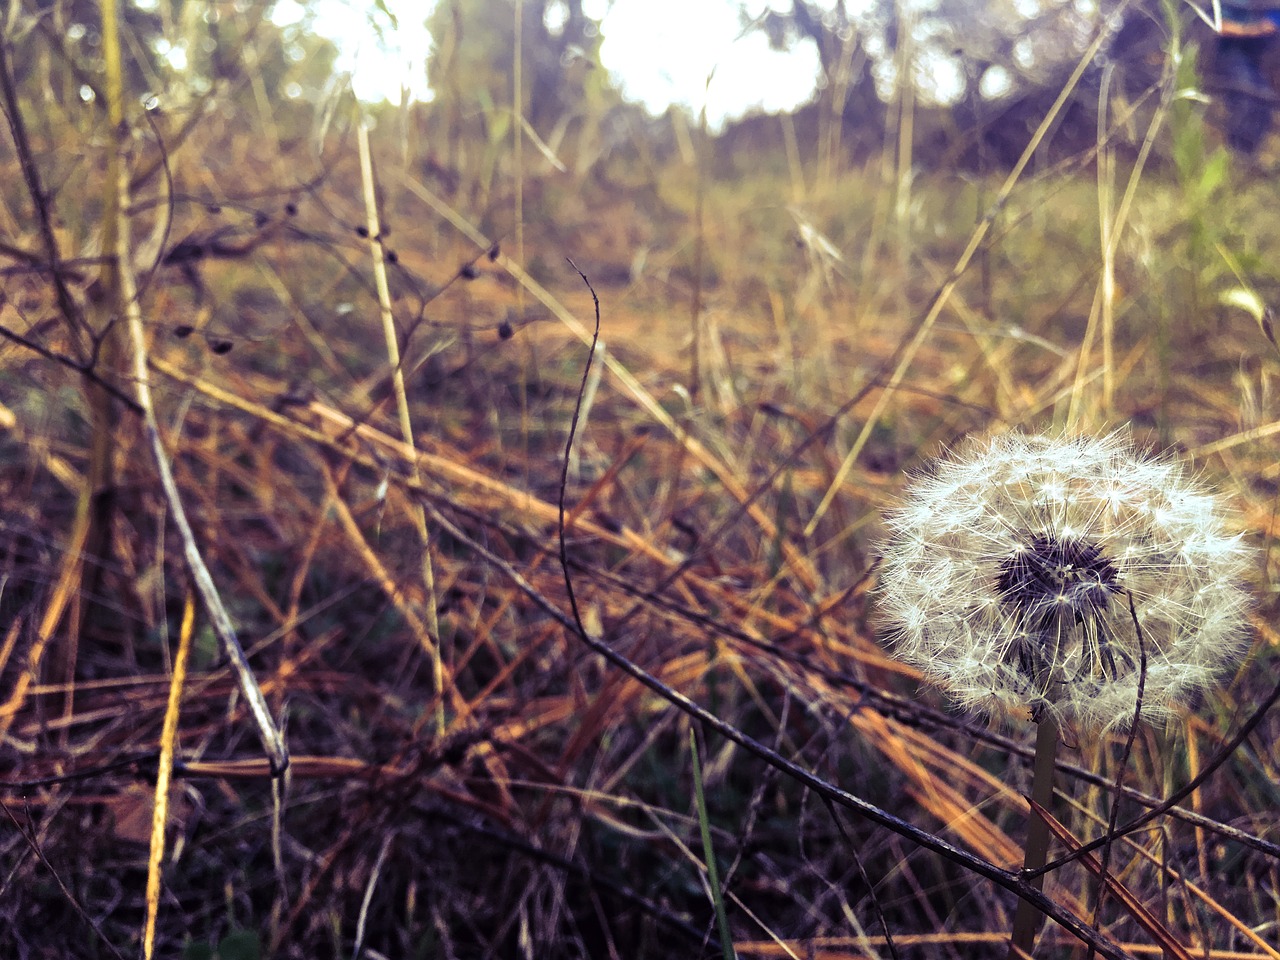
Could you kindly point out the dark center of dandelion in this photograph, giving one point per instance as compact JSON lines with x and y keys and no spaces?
{"x":1058,"y":580}
{"x":1060,"y":589}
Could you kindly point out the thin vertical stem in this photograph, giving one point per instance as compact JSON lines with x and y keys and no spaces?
{"x":419,"y":516}
{"x":1107,"y":227}
{"x":518,"y":121}
{"x":103,"y":349}
{"x":699,"y":242}
{"x":1027,"y":919}
{"x":517,"y":136}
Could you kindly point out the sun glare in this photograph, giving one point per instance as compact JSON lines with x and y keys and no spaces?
{"x":382,"y":56}
{"x":659,"y":52}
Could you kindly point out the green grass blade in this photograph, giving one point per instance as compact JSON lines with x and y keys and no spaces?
{"x":708,"y":853}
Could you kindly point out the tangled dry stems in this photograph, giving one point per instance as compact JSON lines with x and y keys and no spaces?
{"x":554,"y":814}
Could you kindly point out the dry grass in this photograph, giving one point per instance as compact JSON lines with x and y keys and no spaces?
{"x":554,"y":816}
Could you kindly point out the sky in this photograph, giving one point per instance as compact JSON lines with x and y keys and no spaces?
{"x":659,"y":52}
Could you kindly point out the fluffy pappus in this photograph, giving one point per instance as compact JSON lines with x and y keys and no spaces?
{"x":1010,"y":566}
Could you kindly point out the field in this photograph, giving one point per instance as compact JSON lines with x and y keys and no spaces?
{"x":627,"y":696}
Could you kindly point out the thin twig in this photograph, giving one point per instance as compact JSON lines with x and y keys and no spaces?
{"x":85,"y":371}
{"x":1105,"y":862}
{"x":34,"y":844}
{"x":367,"y":899}
{"x":40,"y":200}
{"x":272,"y":740}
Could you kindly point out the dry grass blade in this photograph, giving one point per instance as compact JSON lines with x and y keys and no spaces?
{"x":1113,"y":224}
{"x":1154,"y":858}
{"x":421,"y":631}
{"x":168,"y":749}
{"x":844,"y":948}
{"x":458,"y":476}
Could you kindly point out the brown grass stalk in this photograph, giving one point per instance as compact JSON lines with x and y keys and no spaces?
{"x":168,"y":750}
{"x":431,"y":636}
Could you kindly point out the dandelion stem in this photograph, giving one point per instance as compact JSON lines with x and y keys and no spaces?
{"x":1027,"y":919}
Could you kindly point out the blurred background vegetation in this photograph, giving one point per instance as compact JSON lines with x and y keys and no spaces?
{"x":990,"y":215}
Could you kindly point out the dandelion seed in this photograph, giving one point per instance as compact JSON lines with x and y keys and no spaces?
{"x":1009,"y":568}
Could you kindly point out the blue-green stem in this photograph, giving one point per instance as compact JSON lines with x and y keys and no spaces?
{"x":1027,"y":918}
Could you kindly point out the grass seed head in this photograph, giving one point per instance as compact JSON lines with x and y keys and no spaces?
{"x":1007,"y":576}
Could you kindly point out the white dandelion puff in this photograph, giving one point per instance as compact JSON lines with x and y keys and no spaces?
{"x":1010,"y":567}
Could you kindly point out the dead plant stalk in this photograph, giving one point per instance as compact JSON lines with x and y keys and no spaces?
{"x":432,"y":637}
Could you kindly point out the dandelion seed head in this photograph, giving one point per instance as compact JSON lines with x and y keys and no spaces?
{"x":1010,"y":566}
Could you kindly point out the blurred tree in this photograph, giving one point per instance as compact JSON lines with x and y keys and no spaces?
{"x":474,"y":49}
{"x":847,"y":94}
{"x":68,"y":54}
{"x":175,"y":49}
{"x":567,"y":96}
{"x":983,"y":74}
